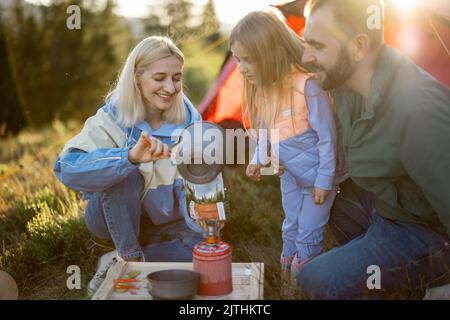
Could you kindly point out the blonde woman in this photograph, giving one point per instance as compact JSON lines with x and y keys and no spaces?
{"x":284,"y":99}
{"x":120,"y":162}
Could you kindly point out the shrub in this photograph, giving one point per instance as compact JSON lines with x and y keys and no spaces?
{"x":53,"y":238}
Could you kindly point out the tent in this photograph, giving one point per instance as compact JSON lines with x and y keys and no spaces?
{"x":421,"y":31}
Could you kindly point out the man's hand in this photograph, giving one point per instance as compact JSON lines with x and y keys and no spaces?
{"x":319,"y":195}
{"x":254,"y":172}
{"x":148,"y":149}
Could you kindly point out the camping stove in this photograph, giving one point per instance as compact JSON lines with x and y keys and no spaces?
{"x":205,"y":194}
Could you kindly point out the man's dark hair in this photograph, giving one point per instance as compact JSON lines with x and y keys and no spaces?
{"x":353,"y":16}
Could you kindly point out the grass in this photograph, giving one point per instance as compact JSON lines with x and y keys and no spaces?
{"x":43,"y":232}
{"x":41,"y":221}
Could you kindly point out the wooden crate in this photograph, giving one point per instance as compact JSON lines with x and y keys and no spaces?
{"x":248,"y":281}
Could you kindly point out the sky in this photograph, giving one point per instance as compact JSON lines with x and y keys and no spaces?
{"x":228,"y":11}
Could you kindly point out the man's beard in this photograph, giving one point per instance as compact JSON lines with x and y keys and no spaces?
{"x":338,"y":74}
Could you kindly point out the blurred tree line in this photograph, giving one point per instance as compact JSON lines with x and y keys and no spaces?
{"x":49,"y":71}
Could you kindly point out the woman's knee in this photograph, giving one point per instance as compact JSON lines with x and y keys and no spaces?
{"x":122,"y":197}
{"x":94,"y":217}
{"x":130,"y":187}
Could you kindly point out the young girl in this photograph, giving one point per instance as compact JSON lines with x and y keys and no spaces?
{"x":120,"y":158}
{"x":283,"y":98}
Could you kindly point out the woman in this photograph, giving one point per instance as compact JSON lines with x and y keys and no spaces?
{"x":120,"y":162}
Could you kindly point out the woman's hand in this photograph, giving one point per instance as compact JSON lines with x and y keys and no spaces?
{"x":254,"y":172}
{"x":319,"y":195}
{"x":148,"y":149}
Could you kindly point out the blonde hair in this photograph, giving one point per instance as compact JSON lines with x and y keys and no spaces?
{"x":126,"y":94}
{"x":276,"y":52}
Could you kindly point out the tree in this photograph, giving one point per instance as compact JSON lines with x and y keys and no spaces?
{"x":63,"y":72}
{"x":210,"y":26}
{"x":12,"y":118}
{"x":178,"y":13}
{"x":153,"y":25}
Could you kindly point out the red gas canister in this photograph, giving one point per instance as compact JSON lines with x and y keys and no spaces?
{"x":214,"y":264}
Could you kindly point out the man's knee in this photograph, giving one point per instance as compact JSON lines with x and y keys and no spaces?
{"x":311,"y":282}
{"x":319,"y":279}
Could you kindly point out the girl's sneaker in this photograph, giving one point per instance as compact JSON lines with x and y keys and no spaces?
{"x":285,"y":262}
{"x":296,"y":266}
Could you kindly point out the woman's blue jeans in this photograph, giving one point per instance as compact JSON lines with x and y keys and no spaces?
{"x":116,"y":214}
{"x":410,"y":257}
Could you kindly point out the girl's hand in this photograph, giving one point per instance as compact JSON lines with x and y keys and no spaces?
{"x":254,"y":172}
{"x":280,"y":170}
{"x":148,"y":149}
{"x":319,"y":195}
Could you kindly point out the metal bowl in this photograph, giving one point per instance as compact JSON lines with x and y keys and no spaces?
{"x":173,"y":284}
{"x":201,"y":169}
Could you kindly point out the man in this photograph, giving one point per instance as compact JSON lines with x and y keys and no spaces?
{"x":392,"y":217}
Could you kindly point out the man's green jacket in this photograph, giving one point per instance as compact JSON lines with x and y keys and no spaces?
{"x":397,"y":142}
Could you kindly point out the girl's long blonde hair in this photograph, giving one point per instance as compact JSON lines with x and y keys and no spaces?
{"x":126,"y":94}
{"x":276,"y":52}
